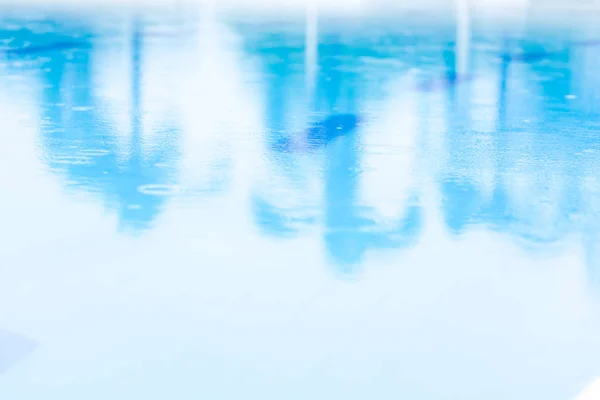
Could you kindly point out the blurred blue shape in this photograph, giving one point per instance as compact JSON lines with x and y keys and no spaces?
{"x":271,"y":219}
{"x":450,"y":78}
{"x":276,"y":221}
{"x":349,"y":230}
{"x":13,"y":348}
{"x":79,"y":143}
{"x":497,"y":210}
{"x":320,"y":134}
{"x":331,"y":128}
{"x":461,"y":202}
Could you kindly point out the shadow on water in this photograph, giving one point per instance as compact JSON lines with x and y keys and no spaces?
{"x":80,"y":144}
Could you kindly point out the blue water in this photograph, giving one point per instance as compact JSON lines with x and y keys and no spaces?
{"x":196,"y":206}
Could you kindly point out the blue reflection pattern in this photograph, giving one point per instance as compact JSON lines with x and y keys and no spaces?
{"x":327,"y":124}
{"x":80,"y":144}
{"x":348,"y":258}
{"x":349,"y":231}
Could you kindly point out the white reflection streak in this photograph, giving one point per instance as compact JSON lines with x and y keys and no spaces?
{"x":159,"y":84}
{"x":112,"y":77}
{"x":585,"y":59}
{"x":216,"y":106}
{"x":311,"y":48}
{"x":391,"y":153}
{"x":463,"y":37}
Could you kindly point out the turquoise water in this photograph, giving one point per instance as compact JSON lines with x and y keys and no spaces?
{"x":222,"y":208}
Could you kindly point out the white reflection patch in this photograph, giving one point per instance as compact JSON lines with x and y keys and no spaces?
{"x":159,"y":189}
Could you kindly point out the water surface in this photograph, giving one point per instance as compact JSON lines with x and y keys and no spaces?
{"x":196,"y":206}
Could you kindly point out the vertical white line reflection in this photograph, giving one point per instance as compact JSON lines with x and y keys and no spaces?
{"x":311,"y":49}
{"x":463,"y":37}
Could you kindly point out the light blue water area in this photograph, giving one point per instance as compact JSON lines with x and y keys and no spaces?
{"x":197,"y":206}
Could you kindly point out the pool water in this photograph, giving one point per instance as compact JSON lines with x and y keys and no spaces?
{"x":206,"y":206}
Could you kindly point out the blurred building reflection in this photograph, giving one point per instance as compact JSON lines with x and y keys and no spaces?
{"x":358,"y":122}
{"x":283,"y":203}
{"x":542,"y":142}
{"x":327,"y":132}
{"x":513,"y":162}
{"x":80,"y":142}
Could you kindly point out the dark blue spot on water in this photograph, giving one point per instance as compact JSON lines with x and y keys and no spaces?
{"x":331,"y":128}
{"x":283,"y":145}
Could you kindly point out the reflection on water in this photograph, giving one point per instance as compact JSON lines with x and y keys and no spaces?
{"x":533,"y":100}
{"x":538,"y":185}
{"x":330,"y":130}
{"x":132,"y":167}
{"x":80,"y":143}
{"x":365,"y":150}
